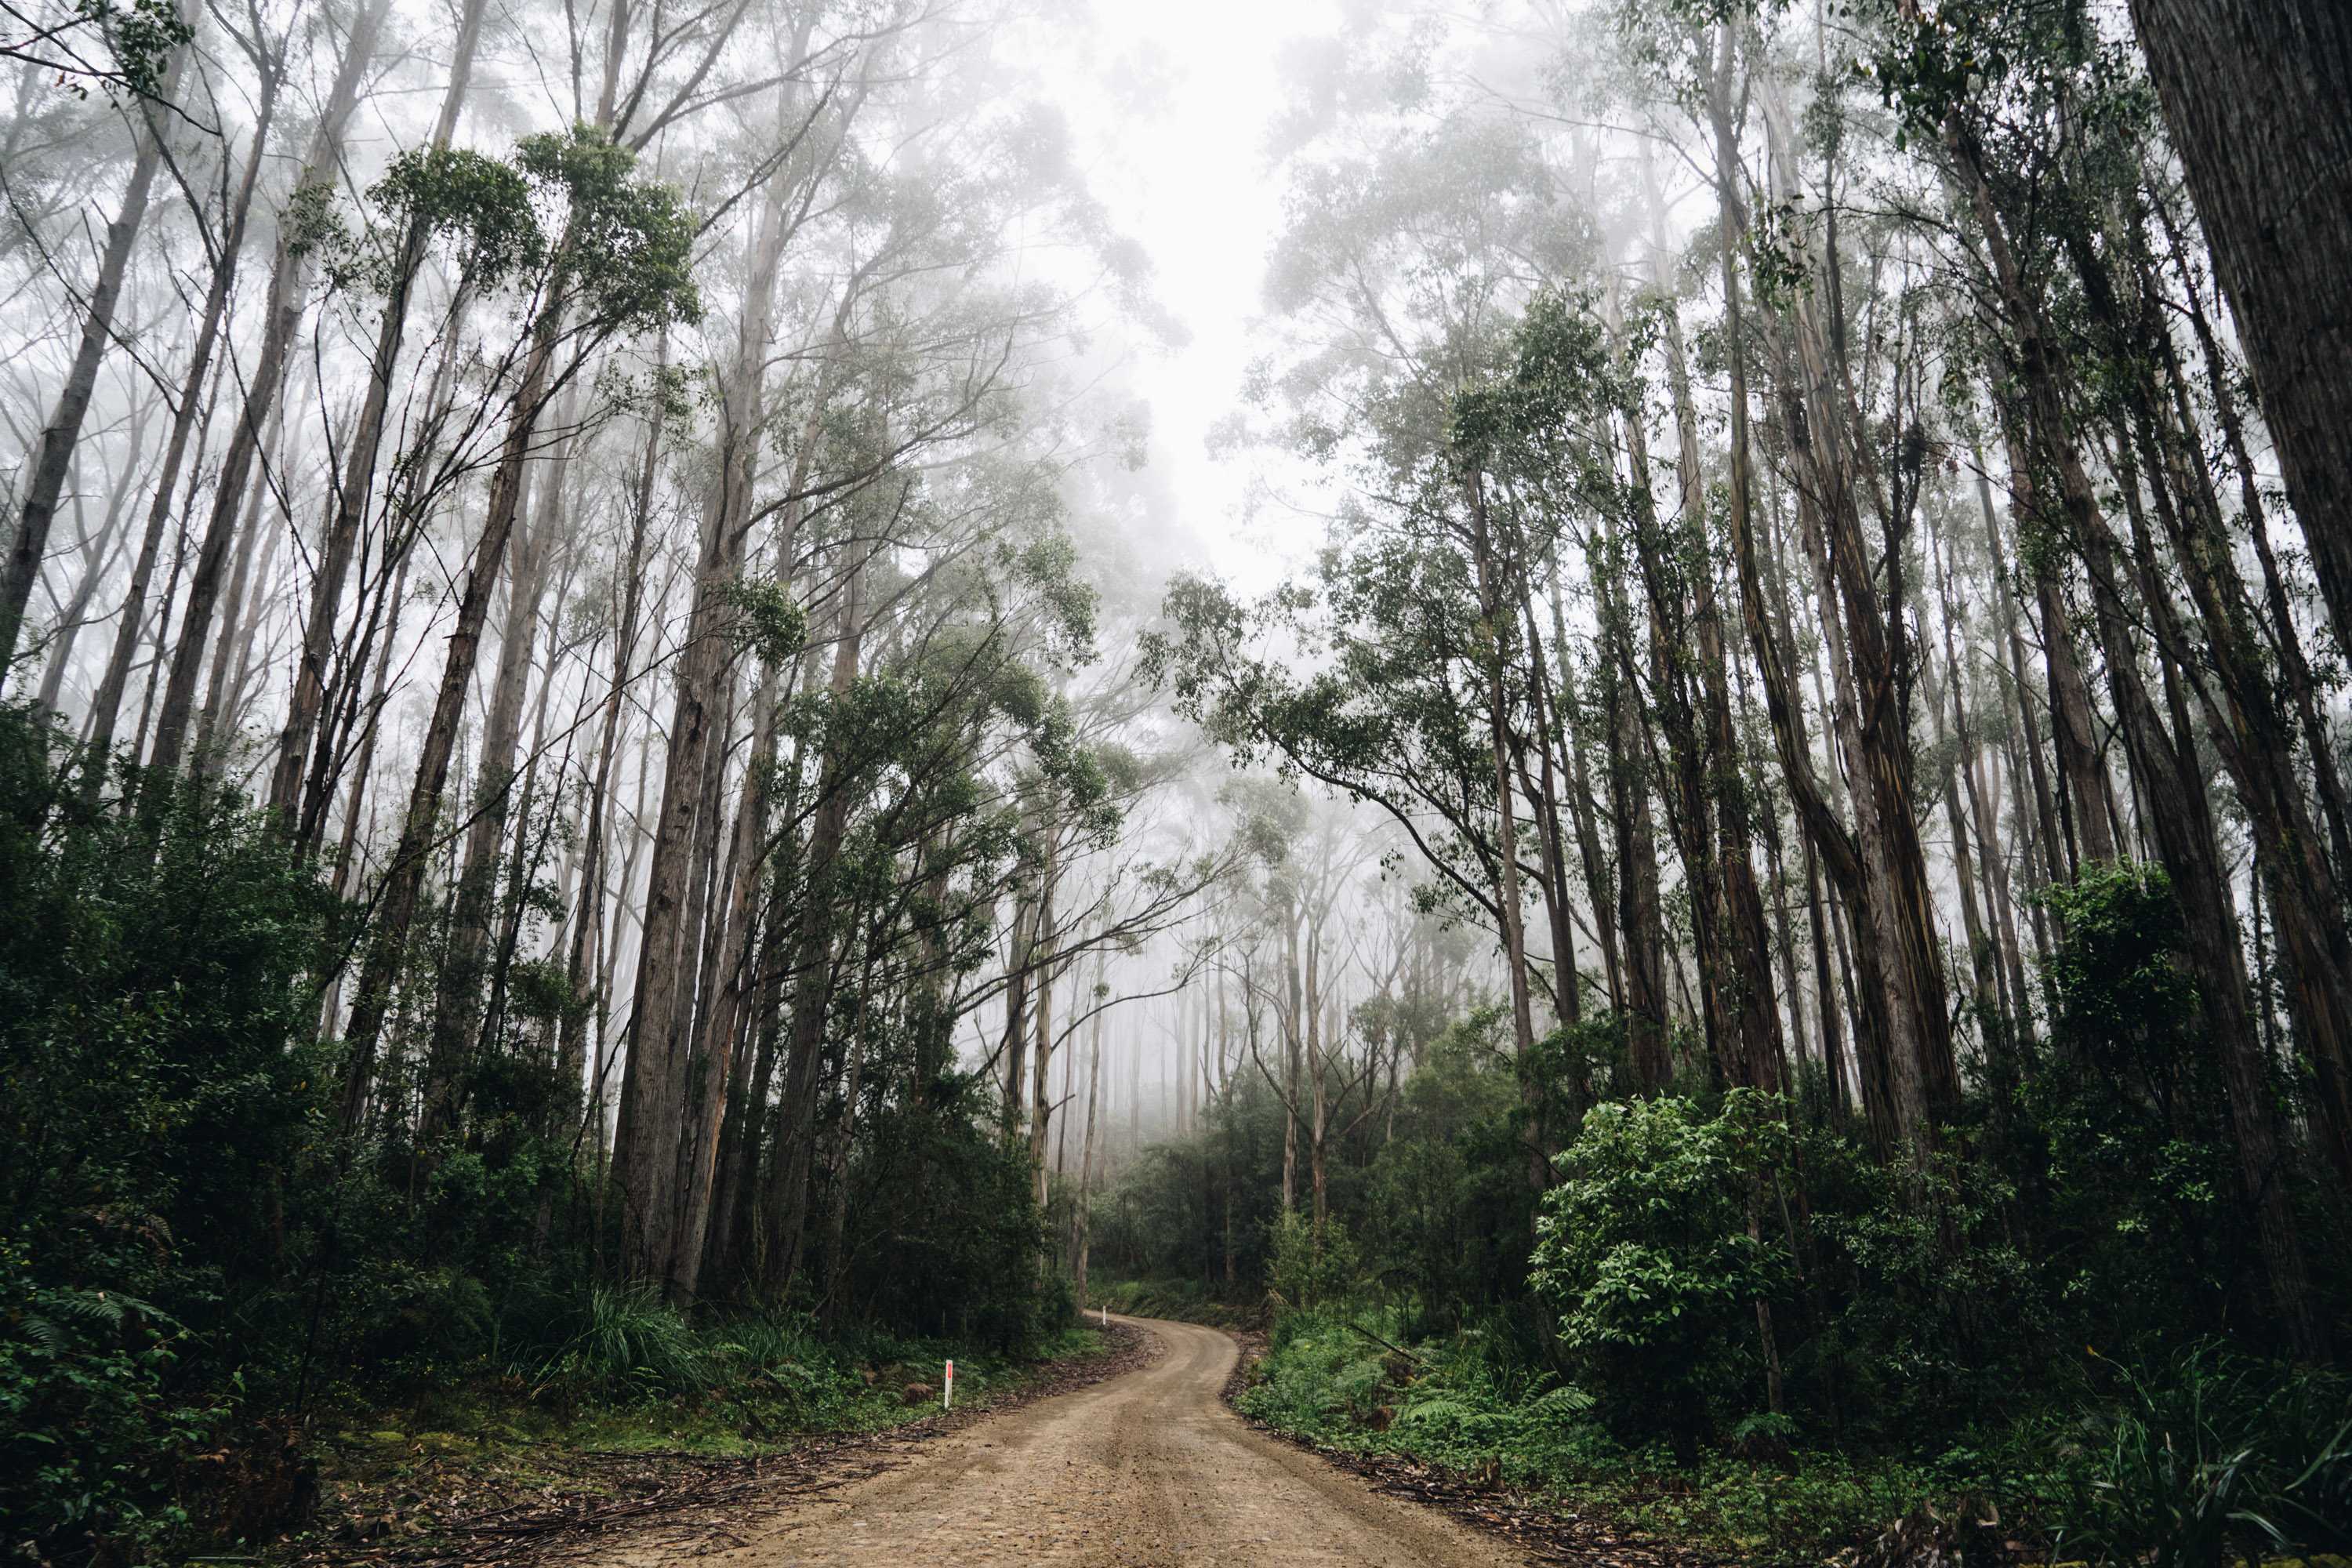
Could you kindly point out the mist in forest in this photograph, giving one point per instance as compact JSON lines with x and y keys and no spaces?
{"x":1631,"y":714}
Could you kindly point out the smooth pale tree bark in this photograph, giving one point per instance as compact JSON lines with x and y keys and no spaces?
{"x":106,"y":704}
{"x":247,"y":438}
{"x":1956,"y":746}
{"x":53,"y":460}
{"x":2043,"y":814}
{"x":1041,"y":1008}
{"x":1494,"y":614}
{"x":2258,"y":95}
{"x":654,"y":1224}
{"x":582,"y":964}
{"x":1581,"y":809}
{"x":1835,"y":470}
{"x":2246,"y":711}
{"x":403,"y":879}
{"x":1640,"y":913}
{"x":348,"y":504}
{"x":232,"y":653}
{"x":1081,"y":1219}
{"x":1551,"y":844}
{"x":1892,"y":1123}
{"x":1013,"y":1046}
{"x":457,"y":985}
{"x":100,"y":545}
{"x":2279,"y":630}
{"x":1292,"y":1024}
{"x":1736,"y":950}
{"x":2083,"y":818}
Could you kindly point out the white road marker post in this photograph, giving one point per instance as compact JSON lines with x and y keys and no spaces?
{"x":1106,"y":1314}
{"x":947,"y":1389}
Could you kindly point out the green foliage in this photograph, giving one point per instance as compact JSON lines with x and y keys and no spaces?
{"x":1649,"y":1247}
{"x":628,"y":245}
{"x":189,"y":1248}
{"x":629,"y":1340}
{"x":943,"y":1228}
{"x":1352,"y":1377}
{"x":478,"y":205}
{"x":2213,"y":1460}
{"x":1311,"y":1265}
{"x":140,"y":36}
{"x":2123,"y":984}
{"x":767,"y":620}
{"x":93,"y":1429}
{"x":156,"y":1094}
{"x":1930,"y":1323}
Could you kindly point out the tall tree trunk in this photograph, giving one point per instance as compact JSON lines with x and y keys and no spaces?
{"x":1082,"y":1223}
{"x":2258,"y":94}
{"x":1735,"y":905}
{"x":457,"y":984}
{"x":812,"y":965}
{"x":246,"y":439}
{"x":2180,"y":814}
{"x":405,"y":878}
{"x":1493,"y":612}
{"x":1894,"y":1123}
{"x":53,"y":460}
{"x":349,"y":499}
{"x":587,"y":999}
{"x":654,"y":1090}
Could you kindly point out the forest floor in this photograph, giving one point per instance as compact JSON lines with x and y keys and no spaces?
{"x":467,"y":1486}
{"x":1141,"y":1469}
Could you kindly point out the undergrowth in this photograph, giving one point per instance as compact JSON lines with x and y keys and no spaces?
{"x":2211,"y":1457}
{"x":628,"y":1375}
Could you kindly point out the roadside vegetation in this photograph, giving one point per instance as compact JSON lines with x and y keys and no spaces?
{"x":1720,"y":884}
{"x":212,"y":1296}
{"x":1724,"y":1324}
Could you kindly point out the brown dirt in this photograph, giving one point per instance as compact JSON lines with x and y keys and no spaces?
{"x":540,"y":1505}
{"x":1146,"y":1469}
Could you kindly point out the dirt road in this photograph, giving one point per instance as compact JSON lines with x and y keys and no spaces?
{"x":1144,"y":1470}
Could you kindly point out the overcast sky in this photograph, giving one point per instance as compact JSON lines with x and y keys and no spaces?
{"x":1169,"y":107}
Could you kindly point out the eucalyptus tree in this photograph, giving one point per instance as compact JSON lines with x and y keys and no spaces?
{"x":148,"y":60}
{"x":615,"y":264}
{"x":2074,"y":297}
{"x":2258,"y":98}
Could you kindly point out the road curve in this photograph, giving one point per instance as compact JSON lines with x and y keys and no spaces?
{"x":1146,"y":1469}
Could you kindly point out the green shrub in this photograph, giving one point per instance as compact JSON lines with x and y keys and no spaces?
{"x":93,"y":1430}
{"x":1649,"y":1250}
{"x":1311,"y":1267}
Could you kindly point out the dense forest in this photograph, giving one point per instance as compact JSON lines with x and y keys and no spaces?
{"x":621,"y":775}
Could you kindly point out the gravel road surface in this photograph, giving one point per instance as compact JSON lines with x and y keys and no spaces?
{"x":1144,"y":1469}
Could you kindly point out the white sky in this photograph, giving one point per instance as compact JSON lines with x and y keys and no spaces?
{"x":1169,"y":107}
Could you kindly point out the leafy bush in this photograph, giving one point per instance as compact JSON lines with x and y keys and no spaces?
{"x":158,"y":1092}
{"x":1650,"y":1249}
{"x":1311,"y":1266}
{"x":93,"y":1430}
{"x":943,"y":1231}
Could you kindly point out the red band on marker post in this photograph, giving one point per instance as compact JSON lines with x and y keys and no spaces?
{"x":947,"y":1389}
